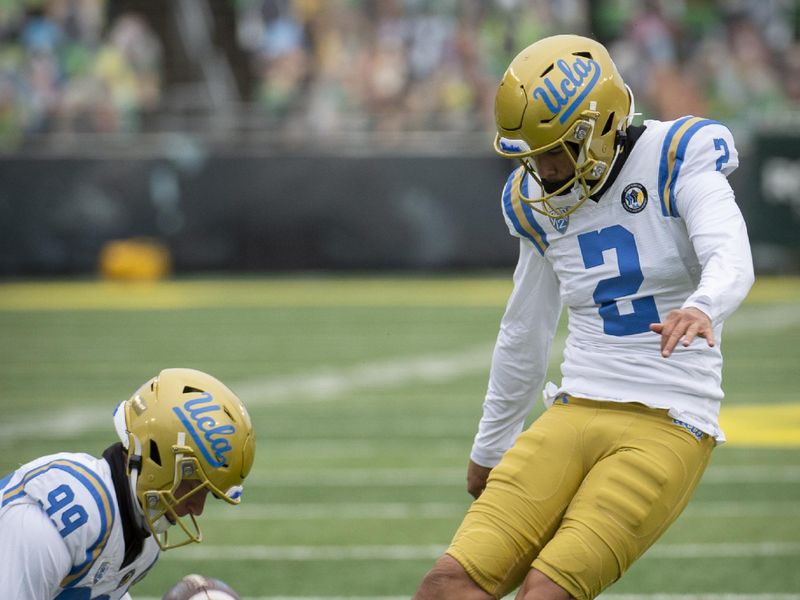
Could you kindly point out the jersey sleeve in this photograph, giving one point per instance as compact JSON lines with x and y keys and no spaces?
{"x":78,"y":503}
{"x":691,"y":147}
{"x":33,"y":557}
{"x":520,"y":218}
{"x":700,"y":154}
{"x":520,"y":357}
{"x":718,"y":234}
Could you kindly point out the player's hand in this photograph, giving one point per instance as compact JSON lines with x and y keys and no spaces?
{"x":476,"y":479}
{"x":686,"y":323}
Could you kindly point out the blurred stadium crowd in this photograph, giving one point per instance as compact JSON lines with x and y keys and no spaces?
{"x":64,"y":68}
{"x":334,"y":66}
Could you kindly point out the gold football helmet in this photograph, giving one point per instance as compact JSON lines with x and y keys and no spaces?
{"x":563,"y":92}
{"x":185,"y":433}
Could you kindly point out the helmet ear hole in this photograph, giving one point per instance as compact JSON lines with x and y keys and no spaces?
{"x":155,"y":455}
{"x":609,"y":123}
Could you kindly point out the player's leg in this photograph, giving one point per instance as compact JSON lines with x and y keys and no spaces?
{"x":448,"y":580}
{"x":520,"y":509}
{"x":628,"y":499}
{"x":538,"y":586}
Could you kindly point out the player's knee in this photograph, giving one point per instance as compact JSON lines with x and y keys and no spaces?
{"x":537,"y":586}
{"x":448,"y":579}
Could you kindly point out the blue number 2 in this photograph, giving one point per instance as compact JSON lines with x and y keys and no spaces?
{"x":721,"y":144}
{"x":630,"y":279}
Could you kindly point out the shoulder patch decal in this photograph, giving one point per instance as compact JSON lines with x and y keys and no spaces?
{"x":634,"y":198}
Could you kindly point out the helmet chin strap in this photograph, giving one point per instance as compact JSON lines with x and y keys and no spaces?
{"x":627,"y":121}
{"x":162,"y":524}
{"x":134,"y":461}
{"x":619,"y":141}
{"x":134,"y":466}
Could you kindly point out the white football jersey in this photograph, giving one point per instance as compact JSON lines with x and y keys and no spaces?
{"x":82,"y":530}
{"x":666,"y":234}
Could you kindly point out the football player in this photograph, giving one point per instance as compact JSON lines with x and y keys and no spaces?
{"x":76,"y":527}
{"x":634,"y":229}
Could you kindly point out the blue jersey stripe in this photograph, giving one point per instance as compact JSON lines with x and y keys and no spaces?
{"x":673,"y":153}
{"x":102,"y":498}
{"x":528,"y":211}
{"x":663,"y":165}
{"x":529,"y":229}
{"x":78,"y":594}
{"x":679,"y":156}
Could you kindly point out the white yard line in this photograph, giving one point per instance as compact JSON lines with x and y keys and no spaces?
{"x":305,"y":553}
{"x":752,"y":474}
{"x":327,"y":384}
{"x":418,"y":476}
{"x":311,"y":386}
{"x":737,"y":509}
{"x":431,"y":552}
{"x":431,"y":510}
{"x":71,"y":423}
{"x":329,"y":511}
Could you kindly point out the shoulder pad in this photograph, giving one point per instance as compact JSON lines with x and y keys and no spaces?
{"x":76,"y":498}
{"x":692,"y":145}
{"x":519,"y":216}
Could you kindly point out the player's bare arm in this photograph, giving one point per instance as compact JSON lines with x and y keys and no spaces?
{"x":476,"y":478}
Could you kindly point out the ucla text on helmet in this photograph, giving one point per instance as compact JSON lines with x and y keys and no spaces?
{"x":573,"y":78}
{"x":215,"y":438}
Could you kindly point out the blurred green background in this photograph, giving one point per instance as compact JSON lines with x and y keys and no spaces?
{"x":365,"y":394}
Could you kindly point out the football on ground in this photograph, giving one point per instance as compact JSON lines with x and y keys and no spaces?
{"x":200,"y":587}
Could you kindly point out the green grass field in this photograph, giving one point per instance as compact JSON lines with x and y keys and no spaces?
{"x":365,"y":394}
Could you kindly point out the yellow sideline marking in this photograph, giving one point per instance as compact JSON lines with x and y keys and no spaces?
{"x":762,"y":425}
{"x":774,"y":289}
{"x":322,"y":291}
{"x":479,"y":291}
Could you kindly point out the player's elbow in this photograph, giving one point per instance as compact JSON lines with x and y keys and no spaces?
{"x":745,"y":277}
{"x":748,"y":277}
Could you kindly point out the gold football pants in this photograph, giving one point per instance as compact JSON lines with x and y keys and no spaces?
{"x":580,"y":496}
